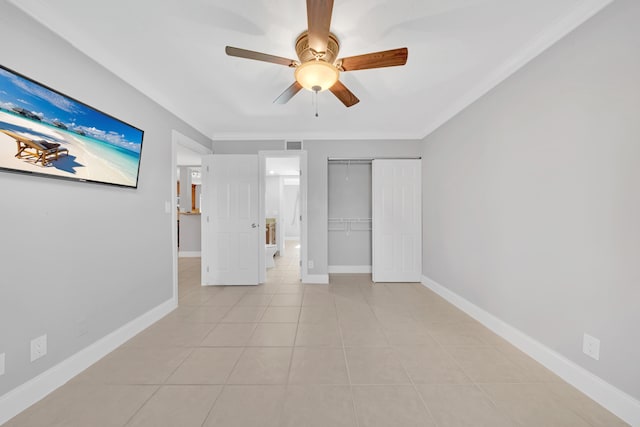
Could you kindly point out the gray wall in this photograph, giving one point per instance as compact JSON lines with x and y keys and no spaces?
{"x":79,"y":260}
{"x":317,"y":154}
{"x":349,"y":195}
{"x":531,"y":197}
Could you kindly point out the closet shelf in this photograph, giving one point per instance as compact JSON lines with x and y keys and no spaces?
{"x":349,"y":224}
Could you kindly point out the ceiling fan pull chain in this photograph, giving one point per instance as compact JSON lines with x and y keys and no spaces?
{"x":316,"y":89}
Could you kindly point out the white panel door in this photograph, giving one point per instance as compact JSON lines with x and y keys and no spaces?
{"x":230,"y":224}
{"x":397,"y":221}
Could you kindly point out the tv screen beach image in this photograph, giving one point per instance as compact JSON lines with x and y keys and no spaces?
{"x":45,"y":132}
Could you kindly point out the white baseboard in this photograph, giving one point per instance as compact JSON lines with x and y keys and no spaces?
{"x":349,"y":269}
{"x":320,"y":279}
{"x":189,"y":254}
{"x":615,"y":400}
{"x":25,"y":395}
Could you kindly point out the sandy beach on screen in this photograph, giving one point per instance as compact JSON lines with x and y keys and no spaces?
{"x":79,"y":164}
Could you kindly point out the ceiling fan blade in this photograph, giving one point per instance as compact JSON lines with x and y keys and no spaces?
{"x":343,"y":94}
{"x":288,"y":93}
{"x":319,"y":22}
{"x":387,"y":58}
{"x":258,"y":56}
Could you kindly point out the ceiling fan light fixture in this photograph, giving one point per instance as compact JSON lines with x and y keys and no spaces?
{"x":316,"y":74}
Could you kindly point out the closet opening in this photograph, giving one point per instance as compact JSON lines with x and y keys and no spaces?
{"x":375,"y":218}
{"x":349,"y":206}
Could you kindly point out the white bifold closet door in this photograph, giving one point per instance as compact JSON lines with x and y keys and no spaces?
{"x":397,"y":220}
{"x":230,"y":226}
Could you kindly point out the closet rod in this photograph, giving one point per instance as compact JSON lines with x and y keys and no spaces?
{"x":368,"y":159}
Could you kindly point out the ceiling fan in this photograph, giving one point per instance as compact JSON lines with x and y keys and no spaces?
{"x":317,"y":48}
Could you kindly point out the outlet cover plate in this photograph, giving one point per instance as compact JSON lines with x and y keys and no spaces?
{"x":38,"y":347}
{"x":2,"y":358}
{"x":591,"y":346}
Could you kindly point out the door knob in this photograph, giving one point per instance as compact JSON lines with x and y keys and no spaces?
{"x":254,"y":225}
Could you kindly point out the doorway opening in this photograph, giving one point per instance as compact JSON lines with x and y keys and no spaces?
{"x":282,"y":217}
{"x":283,"y":208}
{"x":186,"y":158}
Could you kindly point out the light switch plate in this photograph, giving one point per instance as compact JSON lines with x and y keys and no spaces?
{"x":2,"y":363}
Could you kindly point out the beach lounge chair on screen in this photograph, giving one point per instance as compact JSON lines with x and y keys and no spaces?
{"x":40,"y":150}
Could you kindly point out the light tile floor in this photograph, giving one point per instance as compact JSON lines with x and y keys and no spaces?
{"x":350,"y":353}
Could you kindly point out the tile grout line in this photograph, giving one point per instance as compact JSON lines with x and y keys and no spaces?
{"x":475,"y":383}
{"x":159,"y":386}
{"x":206,"y":417}
{"x":223,"y":386}
{"x":293,"y":349}
{"x":424,"y":403}
{"x":406,"y":372}
{"x":464,"y":371}
{"x":346,"y":361}
{"x":143,"y":405}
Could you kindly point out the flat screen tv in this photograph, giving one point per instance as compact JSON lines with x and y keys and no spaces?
{"x":47,"y":133}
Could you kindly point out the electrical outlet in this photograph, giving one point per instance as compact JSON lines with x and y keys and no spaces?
{"x":310,"y":264}
{"x":591,"y":346}
{"x":38,"y":347}
{"x":1,"y":363}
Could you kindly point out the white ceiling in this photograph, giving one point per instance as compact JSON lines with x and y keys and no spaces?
{"x":173,"y":51}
